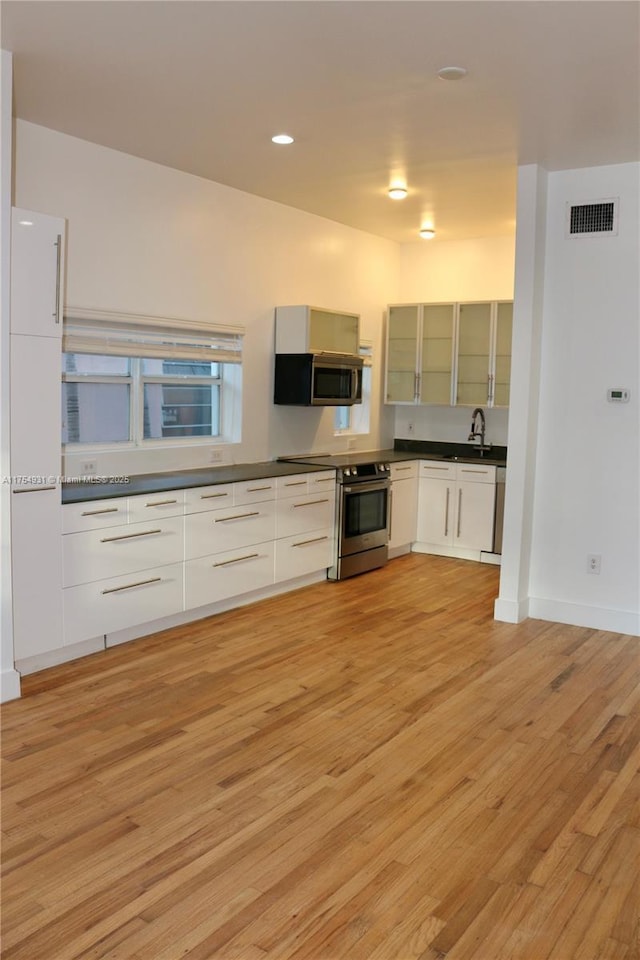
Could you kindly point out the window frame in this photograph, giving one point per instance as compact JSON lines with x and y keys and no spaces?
{"x":363,"y":409}
{"x":91,"y":325}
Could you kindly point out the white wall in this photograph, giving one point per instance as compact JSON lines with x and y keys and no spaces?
{"x":147,"y":239}
{"x":450,"y":270}
{"x":587,"y":491}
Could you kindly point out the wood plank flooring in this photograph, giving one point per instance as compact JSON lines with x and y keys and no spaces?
{"x":366,"y":770}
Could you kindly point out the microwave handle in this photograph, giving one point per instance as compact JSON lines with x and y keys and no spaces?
{"x":354,"y":384}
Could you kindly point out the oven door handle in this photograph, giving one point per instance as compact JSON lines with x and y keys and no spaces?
{"x":367,"y":486}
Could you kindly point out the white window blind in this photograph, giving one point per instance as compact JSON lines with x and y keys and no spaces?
{"x":112,"y":334}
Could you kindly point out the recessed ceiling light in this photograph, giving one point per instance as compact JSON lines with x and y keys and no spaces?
{"x":398,"y":193}
{"x":427,"y":233}
{"x":452,"y":73}
{"x":282,"y":138}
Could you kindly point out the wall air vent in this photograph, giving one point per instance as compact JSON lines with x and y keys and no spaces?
{"x":592,"y":219}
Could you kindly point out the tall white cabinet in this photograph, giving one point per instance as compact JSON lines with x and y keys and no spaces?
{"x":37,"y":281}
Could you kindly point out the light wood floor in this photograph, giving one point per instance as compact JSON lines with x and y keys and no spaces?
{"x":366,"y":770}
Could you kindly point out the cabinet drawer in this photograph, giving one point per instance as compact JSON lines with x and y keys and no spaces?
{"x":217,"y":495}
{"x":404,"y":471}
{"x":476,"y":473}
{"x":300,"y":555}
{"x":293,"y":486}
{"x":301,"y":514}
{"x":94,"y":514}
{"x":322,"y":482}
{"x":437,"y":469}
{"x":101,"y":554}
{"x":212,"y":578}
{"x":168,"y":504}
{"x":229,"y":529}
{"x":254,"y":491}
{"x":105,"y":606}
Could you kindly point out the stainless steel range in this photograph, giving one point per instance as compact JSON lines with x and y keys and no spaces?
{"x":362,"y":512}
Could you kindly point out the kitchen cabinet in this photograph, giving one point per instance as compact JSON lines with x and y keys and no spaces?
{"x":456,"y":506}
{"x":35,"y":361}
{"x":483,"y":354}
{"x":449,"y":353}
{"x":404,"y":507}
{"x":305,"y":524}
{"x":420,"y":340}
{"x":304,"y":329}
{"x":37,"y":274}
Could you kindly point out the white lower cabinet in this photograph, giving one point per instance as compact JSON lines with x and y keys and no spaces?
{"x":213,"y":578}
{"x":404,"y":507}
{"x":119,"y":551}
{"x":105,"y":606}
{"x":456,"y":507}
{"x":229,"y":529}
{"x":304,"y":553}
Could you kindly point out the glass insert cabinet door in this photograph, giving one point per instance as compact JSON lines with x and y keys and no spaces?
{"x":402,"y":353}
{"x":502,"y":373}
{"x":473,"y":383}
{"x":333,"y":332}
{"x":437,"y":353}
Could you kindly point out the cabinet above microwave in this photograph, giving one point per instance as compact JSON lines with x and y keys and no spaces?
{"x":313,"y":330}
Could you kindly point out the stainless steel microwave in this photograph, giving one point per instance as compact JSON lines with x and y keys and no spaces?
{"x":318,"y":379}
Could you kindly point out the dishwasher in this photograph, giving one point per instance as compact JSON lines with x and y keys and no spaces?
{"x":498,"y":522}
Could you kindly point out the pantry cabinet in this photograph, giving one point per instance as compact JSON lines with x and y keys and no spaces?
{"x":37,"y":271}
{"x":449,"y":353}
{"x":456,"y":508}
{"x":304,"y":329}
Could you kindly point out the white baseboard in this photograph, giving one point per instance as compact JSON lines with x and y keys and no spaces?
{"x":582,"y":615}
{"x":511,"y":611}
{"x":9,"y":685}
{"x":52,"y":658}
{"x":458,"y":553}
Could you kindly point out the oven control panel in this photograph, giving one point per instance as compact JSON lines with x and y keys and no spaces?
{"x":366,"y":471}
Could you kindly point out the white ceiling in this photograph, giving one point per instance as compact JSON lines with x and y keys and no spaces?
{"x":202,"y":86}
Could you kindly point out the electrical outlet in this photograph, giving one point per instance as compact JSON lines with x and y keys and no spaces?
{"x":88,"y":468}
{"x":410,"y":426}
{"x":593,"y":563}
{"x":351,"y":444}
{"x":216,"y":455}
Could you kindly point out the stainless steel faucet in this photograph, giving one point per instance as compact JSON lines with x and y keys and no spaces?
{"x":478,"y":414}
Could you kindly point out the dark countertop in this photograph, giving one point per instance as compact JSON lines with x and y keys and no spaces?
{"x":104,"y":488}
{"x":179,"y":480}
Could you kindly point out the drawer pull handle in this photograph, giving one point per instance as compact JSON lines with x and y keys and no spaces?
{"x":94,"y":513}
{"x":224,"y":563}
{"x":34,"y":489}
{"x":436,"y":468}
{"x":237,"y":516}
{"x":401,"y":469}
{"x":160,"y":503}
{"x":258,"y":489}
{"x":467,"y":470}
{"x":459,"y":512}
{"x":325,"y":480}
{"x":130,"y":536}
{"x":310,"y":503}
{"x":130,"y":586}
{"x":296,"y":483}
{"x":211,"y":496}
{"x":303,"y":543}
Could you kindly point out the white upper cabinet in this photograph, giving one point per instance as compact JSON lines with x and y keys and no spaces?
{"x":449,"y":353}
{"x":304,"y":329}
{"x":37,"y":273}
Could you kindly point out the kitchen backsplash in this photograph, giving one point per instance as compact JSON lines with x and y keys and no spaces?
{"x":450,"y":424}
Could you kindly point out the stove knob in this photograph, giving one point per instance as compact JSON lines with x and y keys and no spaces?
{"x":347,"y":472}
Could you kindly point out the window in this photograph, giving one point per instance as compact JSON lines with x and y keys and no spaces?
{"x":355,"y":418}
{"x":135,"y":381}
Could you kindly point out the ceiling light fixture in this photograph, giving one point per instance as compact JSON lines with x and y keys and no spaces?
{"x":452,"y":73}
{"x":282,"y":138}
{"x":397,"y":193}
{"x":427,"y":233}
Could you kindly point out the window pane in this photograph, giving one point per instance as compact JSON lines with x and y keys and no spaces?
{"x":95,"y":412}
{"x":92,"y":364}
{"x":343,"y":418}
{"x":181,"y":411}
{"x":180,"y":368}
